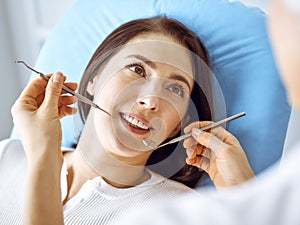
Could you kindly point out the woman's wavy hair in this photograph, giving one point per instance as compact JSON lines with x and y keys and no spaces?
{"x":200,"y":98}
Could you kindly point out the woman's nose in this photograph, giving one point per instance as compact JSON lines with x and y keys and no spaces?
{"x":151,"y":103}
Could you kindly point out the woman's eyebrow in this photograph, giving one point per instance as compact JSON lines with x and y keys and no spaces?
{"x":152,"y":65}
{"x":180,"y":78}
{"x":144,"y":59}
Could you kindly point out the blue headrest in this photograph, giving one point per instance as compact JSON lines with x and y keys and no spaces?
{"x":235,"y":37}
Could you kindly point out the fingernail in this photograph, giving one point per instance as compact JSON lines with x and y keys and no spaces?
{"x":196,"y":131}
{"x":56,"y":77}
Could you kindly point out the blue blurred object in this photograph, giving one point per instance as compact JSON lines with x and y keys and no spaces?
{"x":235,"y":37}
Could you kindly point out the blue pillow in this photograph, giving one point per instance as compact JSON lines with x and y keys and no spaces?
{"x":235,"y":37}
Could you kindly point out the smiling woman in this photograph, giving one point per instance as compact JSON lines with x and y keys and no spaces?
{"x":155,"y":50}
{"x":152,"y":76}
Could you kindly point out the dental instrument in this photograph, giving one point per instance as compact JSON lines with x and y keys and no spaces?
{"x":150,"y":143}
{"x":65,"y":88}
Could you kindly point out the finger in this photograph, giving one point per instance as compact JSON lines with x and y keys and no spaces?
{"x":65,"y":111}
{"x":199,"y":151}
{"x":195,"y":150}
{"x":67,"y":100}
{"x":219,"y":131}
{"x":34,"y":88}
{"x":204,"y":152}
{"x":209,"y":140}
{"x":201,"y":162}
{"x":197,"y":124}
{"x":189,"y":142}
{"x":191,"y":152}
{"x":189,"y":128}
{"x":53,"y":90}
{"x":223,"y":135}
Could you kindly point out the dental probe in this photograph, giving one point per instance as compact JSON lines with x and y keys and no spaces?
{"x":65,"y":88}
{"x":148,"y":141}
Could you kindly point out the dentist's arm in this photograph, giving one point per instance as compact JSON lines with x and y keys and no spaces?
{"x":36,"y":115}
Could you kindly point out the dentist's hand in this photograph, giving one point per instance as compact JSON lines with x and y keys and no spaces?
{"x":37,"y":113}
{"x":218,"y":153}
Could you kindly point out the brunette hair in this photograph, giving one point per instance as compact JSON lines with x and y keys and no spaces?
{"x":188,"y":175}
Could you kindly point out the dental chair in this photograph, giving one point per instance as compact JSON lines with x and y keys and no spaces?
{"x":239,"y":50}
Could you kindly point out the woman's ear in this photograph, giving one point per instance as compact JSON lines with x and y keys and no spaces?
{"x":183,"y":123}
{"x":91,"y":86}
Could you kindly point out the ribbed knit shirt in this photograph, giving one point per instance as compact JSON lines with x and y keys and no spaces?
{"x":97,"y":202}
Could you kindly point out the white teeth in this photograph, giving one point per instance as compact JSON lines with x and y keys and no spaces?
{"x":129,"y":119}
{"x":140,"y":124}
{"x":135,"y":122}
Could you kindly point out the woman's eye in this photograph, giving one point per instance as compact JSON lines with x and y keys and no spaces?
{"x":177,"y":89}
{"x":138,"y":70}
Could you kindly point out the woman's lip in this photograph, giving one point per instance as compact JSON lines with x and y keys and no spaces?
{"x":143,"y":120}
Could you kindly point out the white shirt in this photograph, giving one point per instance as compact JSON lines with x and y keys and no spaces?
{"x":97,"y":202}
{"x":271,"y":199}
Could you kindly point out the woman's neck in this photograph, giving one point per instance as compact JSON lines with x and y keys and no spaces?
{"x":117,"y":174}
{"x":92,"y":159}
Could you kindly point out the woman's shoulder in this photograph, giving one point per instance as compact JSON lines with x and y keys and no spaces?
{"x":11,"y":148}
{"x":12,"y":160}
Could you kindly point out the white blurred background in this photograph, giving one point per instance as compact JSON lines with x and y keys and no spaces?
{"x":24,"y":26}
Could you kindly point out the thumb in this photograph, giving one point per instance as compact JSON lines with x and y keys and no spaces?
{"x":53,"y":91}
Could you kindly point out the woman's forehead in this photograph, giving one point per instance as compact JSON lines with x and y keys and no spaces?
{"x":159,"y":49}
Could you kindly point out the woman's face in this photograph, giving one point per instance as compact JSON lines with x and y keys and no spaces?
{"x":146,"y":87}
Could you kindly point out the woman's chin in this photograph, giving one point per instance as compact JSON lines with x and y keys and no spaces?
{"x":128,"y":149}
